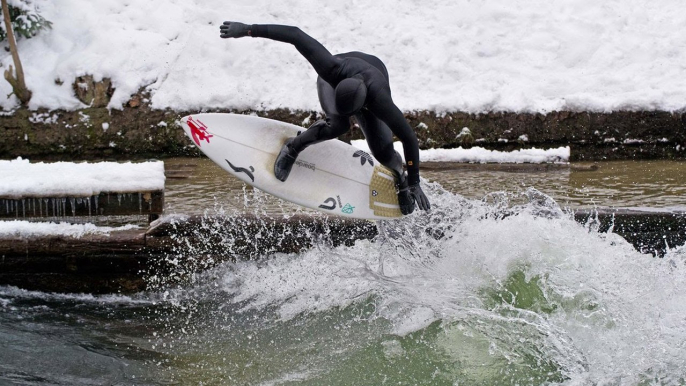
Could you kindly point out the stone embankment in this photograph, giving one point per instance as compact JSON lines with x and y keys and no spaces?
{"x":139,"y":132}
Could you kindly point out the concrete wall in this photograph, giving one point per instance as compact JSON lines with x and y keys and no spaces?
{"x":172,"y":251}
{"x":139,"y":132}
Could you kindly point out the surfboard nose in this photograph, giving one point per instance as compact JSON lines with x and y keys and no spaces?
{"x":184,"y":124}
{"x":196,"y":130}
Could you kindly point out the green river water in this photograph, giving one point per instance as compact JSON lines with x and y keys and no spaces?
{"x":514,"y":293}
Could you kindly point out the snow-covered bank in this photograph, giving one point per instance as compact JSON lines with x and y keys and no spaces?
{"x":480,"y":155}
{"x":442,"y":55}
{"x":20,"y":178}
{"x":18,"y":229}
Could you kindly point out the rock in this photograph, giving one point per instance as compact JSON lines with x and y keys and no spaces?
{"x":135,"y":101}
{"x":91,"y":93}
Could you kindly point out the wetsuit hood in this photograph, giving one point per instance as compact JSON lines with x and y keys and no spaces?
{"x":350,"y":96}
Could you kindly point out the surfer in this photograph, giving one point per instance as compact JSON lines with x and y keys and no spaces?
{"x":350,"y":84}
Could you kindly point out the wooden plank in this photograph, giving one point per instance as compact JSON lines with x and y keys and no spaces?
{"x":93,"y":263}
{"x":126,"y":242}
{"x":104,"y":204}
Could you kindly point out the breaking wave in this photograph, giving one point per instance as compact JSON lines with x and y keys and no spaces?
{"x":506,"y":290}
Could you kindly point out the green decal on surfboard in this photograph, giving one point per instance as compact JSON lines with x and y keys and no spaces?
{"x":348,"y":209}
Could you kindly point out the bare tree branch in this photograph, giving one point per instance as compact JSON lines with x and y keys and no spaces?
{"x":16,"y":79}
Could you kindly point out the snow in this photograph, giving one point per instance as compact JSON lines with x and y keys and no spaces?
{"x":442,"y":55}
{"x":20,"y":178}
{"x":18,"y":229}
{"x":480,"y":155}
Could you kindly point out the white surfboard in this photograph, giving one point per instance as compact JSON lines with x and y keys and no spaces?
{"x":332,"y":176}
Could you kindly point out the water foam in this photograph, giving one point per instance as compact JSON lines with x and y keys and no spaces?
{"x":513,"y":285}
{"x":10,"y":293}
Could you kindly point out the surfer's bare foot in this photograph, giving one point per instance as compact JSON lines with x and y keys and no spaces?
{"x":405,"y":199}
{"x":285,"y":160}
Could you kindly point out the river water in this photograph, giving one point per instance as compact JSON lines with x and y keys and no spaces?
{"x":504,"y":290}
{"x":653,"y":184}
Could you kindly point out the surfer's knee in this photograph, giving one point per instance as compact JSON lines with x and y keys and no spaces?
{"x":331,"y":127}
{"x":337,"y":125}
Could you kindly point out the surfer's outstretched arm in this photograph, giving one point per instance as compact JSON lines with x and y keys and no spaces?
{"x":326,"y":65}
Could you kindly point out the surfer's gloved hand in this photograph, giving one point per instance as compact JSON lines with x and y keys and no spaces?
{"x":419,"y":196}
{"x":405,"y":199}
{"x":234,"y":29}
{"x":285,"y":160}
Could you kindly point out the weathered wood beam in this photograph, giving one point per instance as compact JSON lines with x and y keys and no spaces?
{"x":174,"y":250}
{"x":104,"y":204}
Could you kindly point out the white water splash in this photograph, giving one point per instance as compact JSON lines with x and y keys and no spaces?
{"x":601,"y":313}
{"x":11,"y":293}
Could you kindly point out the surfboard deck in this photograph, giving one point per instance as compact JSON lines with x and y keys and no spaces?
{"x":332,"y":177}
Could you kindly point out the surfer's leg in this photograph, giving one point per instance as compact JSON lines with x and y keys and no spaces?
{"x":322,"y":130}
{"x":325,"y":129}
{"x":380,"y":140}
{"x":332,"y":127}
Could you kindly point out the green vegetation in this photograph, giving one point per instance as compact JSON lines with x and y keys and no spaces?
{"x":25,"y":20}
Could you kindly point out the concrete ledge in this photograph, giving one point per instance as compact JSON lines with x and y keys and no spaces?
{"x":649,"y":231}
{"x":120,"y":261}
{"x":171,"y":251}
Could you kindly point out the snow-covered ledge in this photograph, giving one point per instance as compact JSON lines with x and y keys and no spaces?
{"x":63,"y":189}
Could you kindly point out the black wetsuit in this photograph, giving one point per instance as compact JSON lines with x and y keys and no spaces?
{"x":379,"y":118}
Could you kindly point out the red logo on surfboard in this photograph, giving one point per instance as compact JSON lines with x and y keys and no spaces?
{"x":198,"y":131}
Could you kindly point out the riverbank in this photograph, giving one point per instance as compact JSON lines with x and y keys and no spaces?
{"x":139,"y":132}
